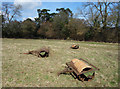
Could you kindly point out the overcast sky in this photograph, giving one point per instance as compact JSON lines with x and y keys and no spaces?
{"x":29,"y":7}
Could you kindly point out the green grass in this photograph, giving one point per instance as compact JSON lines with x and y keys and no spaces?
{"x":88,"y":73}
{"x":20,"y":70}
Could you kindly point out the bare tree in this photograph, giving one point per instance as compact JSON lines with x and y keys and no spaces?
{"x":97,"y":13}
{"x":10,"y":11}
{"x":114,"y":17}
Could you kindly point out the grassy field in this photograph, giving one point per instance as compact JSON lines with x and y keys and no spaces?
{"x":20,"y":70}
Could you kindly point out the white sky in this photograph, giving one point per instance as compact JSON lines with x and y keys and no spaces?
{"x":27,"y":4}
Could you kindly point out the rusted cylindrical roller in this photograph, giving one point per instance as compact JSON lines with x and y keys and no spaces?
{"x":75,"y":46}
{"x":83,"y":69}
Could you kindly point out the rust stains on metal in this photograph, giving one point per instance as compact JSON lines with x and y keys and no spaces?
{"x":80,"y":69}
{"x":75,"y":46}
{"x":79,"y":65}
{"x":43,"y":52}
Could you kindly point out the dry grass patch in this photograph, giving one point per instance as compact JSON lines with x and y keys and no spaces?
{"x":20,"y":70}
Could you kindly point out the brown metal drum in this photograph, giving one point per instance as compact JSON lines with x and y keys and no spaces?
{"x":79,"y":65}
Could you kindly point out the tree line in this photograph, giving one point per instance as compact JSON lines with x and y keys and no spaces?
{"x":100,"y":23}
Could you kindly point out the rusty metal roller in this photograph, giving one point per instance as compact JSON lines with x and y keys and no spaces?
{"x":80,"y":65}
